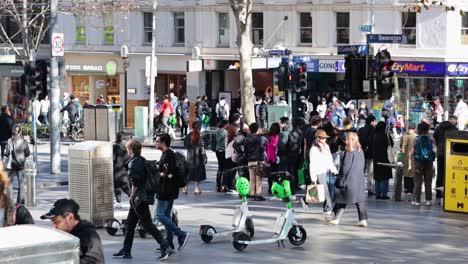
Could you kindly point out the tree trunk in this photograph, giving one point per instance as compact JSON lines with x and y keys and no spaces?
{"x":242,"y":12}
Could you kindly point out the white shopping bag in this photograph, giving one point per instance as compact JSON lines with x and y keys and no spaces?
{"x":315,"y":193}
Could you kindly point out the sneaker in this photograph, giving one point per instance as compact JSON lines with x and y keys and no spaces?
{"x":333,"y":222}
{"x":327,"y":212}
{"x":183,"y":241}
{"x":362,"y":223}
{"x":385,"y":198}
{"x":260,"y":198}
{"x":428,"y":203}
{"x":416,"y":203}
{"x":292,"y":197}
{"x":304,"y":204}
{"x":118,"y":205}
{"x":123,"y":254}
{"x":164,"y":254}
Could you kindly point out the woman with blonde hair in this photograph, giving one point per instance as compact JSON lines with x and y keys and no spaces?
{"x":350,"y":184}
{"x":7,"y":206}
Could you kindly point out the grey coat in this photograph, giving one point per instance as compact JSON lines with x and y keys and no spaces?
{"x":352,"y":171}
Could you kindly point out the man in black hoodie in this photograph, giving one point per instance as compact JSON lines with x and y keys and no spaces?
{"x":169,"y":192}
{"x":6,"y":126}
{"x":64,"y":217}
{"x":366,"y":139}
{"x":440,"y":137}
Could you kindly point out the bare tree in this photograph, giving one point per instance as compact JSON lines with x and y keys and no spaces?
{"x":243,"y":13}
{"x":420,"y":5}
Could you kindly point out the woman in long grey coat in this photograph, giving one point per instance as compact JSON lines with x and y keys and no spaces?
{"x":195,"y":149}
{"x":350,"y":185}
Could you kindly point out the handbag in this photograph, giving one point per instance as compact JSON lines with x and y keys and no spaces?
{"x":203,"y":153}
{"x":315,"y":193}
{"x":263,"y":169}
{"x":302,"y":173}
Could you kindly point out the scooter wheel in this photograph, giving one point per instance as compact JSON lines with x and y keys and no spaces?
{"x":112,"y":226}
{"x":207,"y":233}
{"x":297,"y":235}
{"x":249,"y":227}
{"x":240,"y":236}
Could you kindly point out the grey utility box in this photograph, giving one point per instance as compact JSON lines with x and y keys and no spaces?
{"x":108,"y":122}
{"x":29,"y":244}
{"x":89,"y":114}
{"x":90,"y":180}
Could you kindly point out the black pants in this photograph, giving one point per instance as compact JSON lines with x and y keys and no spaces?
{"x":118,"y":191}
{"x":274,"y":168}
{"x":292,"y":168}
{"x":361,"y":207}
{"x":184,"y":128}
{"x":440,"y":180}
{"x":221,"y":167}
{"x":228,"y":178}
{"x":141,"y":212}
{"x":408,"y":183}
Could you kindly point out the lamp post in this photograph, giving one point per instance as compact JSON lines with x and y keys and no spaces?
{"x":124,"y":56}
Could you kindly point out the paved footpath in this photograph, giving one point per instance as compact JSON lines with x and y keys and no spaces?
{"x":397,"y":232}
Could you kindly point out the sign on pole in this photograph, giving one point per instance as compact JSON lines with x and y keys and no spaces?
{"x":387,"y":38}
{"x":366,"y":28}
{"x":352,"y":49}
{"x":58,"y":45}
{"x":148,"y":66}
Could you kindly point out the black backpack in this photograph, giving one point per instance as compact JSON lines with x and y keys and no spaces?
{"x":181,"y":169}
{"x":153,"y":178}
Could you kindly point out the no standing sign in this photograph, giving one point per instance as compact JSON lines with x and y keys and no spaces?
{"x":58,"y":45}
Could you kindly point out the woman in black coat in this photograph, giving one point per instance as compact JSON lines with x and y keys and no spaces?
{"x":350,"y":185}
{"x":195,"y":149}
{"x":382,"y":174}
{"x":120,"y":157}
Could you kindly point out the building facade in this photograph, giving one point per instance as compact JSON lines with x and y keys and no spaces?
{"x":433,"y":63}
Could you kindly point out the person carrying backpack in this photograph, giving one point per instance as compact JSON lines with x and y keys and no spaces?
{"x":222,"y":109}
{"x":423,"y":152}
{"x":140,"y":200}
{"x":169,"y":191}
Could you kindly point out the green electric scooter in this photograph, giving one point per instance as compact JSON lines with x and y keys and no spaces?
{"x":242,"y":220}
{"x":286,"y":224}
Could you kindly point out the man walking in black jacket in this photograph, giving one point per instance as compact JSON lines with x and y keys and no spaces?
{"x":440,"y":137}
{"x":169,"y":192}
{"x":64,"y":217}
{"x":6,"y":126}
{"x":139,"y":204}
{"x":366,"y":139}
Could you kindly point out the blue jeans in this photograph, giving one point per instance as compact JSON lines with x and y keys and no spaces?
{"x":381,"y":188}
{"x":45,"y":115}
{"x":163,"y":215}
{"x":331,"y":179}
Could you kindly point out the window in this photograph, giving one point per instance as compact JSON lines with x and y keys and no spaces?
{"x":108,"y":29}
{"x":179,"y":29}
{"x":223,"y":29}
{"x":305,"y":28}
{"x":148,"y":26}
{"x":342,"y":28}
{"x":257,"y":28}
{"x":408,"y":26}
{"x":80,"y":22}
{"x":464,"y":29}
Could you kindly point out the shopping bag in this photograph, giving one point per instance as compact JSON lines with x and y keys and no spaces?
{"x":315,"y":193}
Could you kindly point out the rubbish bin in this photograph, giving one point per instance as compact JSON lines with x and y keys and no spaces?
{"x":456,"y":172}
{"x":90,"y":180}
{"x":108,"y":122}
{"x":141,"y":122}
{"x":29,"y":244}
{"x":89,"y":114}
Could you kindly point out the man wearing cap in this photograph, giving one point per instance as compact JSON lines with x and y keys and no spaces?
{"x":440,"y":137}
{"x":64,"y":217}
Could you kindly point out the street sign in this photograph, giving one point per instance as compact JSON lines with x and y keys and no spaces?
{"x":148,"y":66}
{"x":366,"y":28}
{"x":285,"y":52}
{"x":387,"y":38}
{"x":58,"y":45}
{"x":352,"y":49}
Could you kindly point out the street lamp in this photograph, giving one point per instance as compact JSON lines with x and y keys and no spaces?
{"x":124,"y":56}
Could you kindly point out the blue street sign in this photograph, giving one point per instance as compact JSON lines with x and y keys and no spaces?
{"x":352,"y":49}
{"x":285,"y":52}
{"x":387,"y":38}
{"x":366,"y":28}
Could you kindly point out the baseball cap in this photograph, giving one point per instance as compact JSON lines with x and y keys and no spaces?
{"x":61,"y":207}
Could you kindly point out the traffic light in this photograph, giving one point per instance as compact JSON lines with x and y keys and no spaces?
{"x":290,"y":79}
{"x":384,"y":74}
{"x":300,"y":71}
{"x":281,"y":76}
{"x":355,"y":74}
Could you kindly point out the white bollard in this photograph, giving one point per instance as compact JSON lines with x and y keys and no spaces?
{"x":30,"y":171}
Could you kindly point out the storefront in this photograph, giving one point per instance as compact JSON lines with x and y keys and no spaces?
{"x":89,"y":77}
